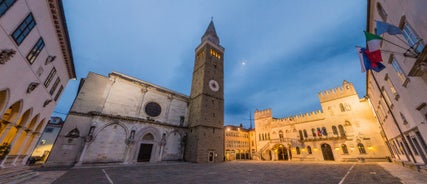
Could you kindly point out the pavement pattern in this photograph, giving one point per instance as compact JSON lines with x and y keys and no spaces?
{"x":232,"y":172}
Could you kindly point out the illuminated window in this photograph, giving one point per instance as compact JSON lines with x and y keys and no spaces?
{"x":361,"y":148}
{"x":43,"y":142}
{"x":413,"y":39}
{"x":399,"y":71}
{"x":334,"y":130}
{"x":215,"y":53}
{"x":31,"y":57}
{"x":5,"y":5}
{"x":200,"y":54}
{"x":341,"y":130}
{"x":49,"y":77}
{"x":313,"y":131}
{"x":24,"y":29}
{"x":344,"y":149}
{"x":391,"y":86}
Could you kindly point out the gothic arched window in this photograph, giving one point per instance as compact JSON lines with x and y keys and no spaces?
{"x":341,"y":129}
{"x":298,"y":151}
{"x":361,"y":148}
{"x":344,"y":149}
{"x":300,"y":135}
{"x":305,"y":133}
{"x":309,"y":150}
{"x":334,"y":130}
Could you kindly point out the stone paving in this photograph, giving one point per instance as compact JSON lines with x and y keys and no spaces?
{"x":236,"y":172}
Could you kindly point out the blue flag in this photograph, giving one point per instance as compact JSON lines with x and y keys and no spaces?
{"x":366,"y":63}
{"x":383,"y":27}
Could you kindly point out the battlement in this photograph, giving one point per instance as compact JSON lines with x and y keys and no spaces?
{"x":306,"y":117}
{"x":347,"y":89}
{"x":266,"y":113}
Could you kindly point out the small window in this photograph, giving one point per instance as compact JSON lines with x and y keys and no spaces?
{"x":24,"y":29}
{"x":342,"y":107}
{"x":344,"y":149}
{"x":309,"y":150}
{"x":305,"y":133}
{"x":392,"y":88}
{"x":32,"y":56}
{"x":398,"y":69}
{"x":319,"y":132}
{"x":5,"y":5}
{"x":403,"y":119}
{"x":341,"y":130}
{"x":324,"y":131}
{"x":334,"y":130}
{"x":298,"y":151}
{"x":58,"y":93}
{"x":300,"y":135}
{"x":361,"y":148}
{"x":413,"y":39}
{"x":49,"y":77}
{"x":313,"y":131}
{"x":48,"y":130}
{"x":55,"y":85}
{"x":381,"y":12}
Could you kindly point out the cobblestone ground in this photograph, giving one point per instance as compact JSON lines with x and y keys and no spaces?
{"x":233,"y":172}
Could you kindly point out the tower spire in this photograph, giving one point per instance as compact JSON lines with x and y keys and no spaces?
{"x":210,"y":33}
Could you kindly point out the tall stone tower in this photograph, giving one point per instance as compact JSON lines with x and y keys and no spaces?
{"x":205,"y":141}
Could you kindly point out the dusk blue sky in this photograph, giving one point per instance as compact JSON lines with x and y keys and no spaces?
{"x":278,"y":54}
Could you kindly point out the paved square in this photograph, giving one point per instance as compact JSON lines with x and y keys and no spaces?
{"x":233,"y":172}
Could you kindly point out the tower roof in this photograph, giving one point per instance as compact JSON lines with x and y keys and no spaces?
{"x":210,"y":34}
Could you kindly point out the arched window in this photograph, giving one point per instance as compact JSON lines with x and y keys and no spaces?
{"x":334,"y":130}
{"x":313,"y":131}
{"x":280,"y":134}
{"x":300,"y":135}
{"x":361,"y":148}
{"x":324,"y":132}
{"x":259,"y":137}
{"x":319,"y":132}
{"x":342,"y":107}
{"x":298,"y":151}
{"x":305,"y":133}
{"x":268,"y":136}
{"x":309,"y":150}
{"x":263,"y":136}
{"x":341,"y":129}
{"x":344,"y":149}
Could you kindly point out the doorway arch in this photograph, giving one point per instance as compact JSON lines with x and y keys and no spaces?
{"x":327,"y":152}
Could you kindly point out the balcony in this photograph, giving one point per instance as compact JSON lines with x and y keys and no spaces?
{"x":420,"y":65}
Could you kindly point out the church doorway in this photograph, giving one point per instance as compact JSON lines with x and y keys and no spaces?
{"x":144,"y":154}
{"x":327,"y":152}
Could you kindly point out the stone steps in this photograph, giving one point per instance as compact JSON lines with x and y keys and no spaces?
{"x":14,"y":175}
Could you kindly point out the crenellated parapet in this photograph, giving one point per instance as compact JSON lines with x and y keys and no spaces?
{"x":260,"y":114}
{"x":300,"y":118}
{"x":347,"y":89}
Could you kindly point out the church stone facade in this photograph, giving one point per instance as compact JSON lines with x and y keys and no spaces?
{"x":345,"y":129}
{"x":121,"y":119}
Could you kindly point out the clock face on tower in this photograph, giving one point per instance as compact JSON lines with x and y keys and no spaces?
{"x":213,"y":85}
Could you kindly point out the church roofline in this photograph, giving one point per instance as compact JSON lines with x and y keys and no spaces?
{"x":133,"y":79}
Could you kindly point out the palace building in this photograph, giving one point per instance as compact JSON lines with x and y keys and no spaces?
{"x":36,"y":64}
{"x":345,"y":129}
{"x":121,"y":119}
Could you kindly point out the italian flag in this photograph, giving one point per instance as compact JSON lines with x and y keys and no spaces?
{"x":374,"y":44}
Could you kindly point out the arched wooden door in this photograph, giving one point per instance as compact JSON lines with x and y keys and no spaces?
{"x":327,"y":152}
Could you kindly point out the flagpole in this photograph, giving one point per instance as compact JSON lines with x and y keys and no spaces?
{"x":410,"y":49}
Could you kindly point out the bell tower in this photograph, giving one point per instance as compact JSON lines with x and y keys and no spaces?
{"x":206,"y":109}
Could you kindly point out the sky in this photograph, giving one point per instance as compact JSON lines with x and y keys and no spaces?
{"x":278,"y":53}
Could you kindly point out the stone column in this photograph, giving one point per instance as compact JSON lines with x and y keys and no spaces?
{"x":5,"y":132}
{"x":17,"y":135}
{"x":31,"y":147}
{"x":21,"y":149}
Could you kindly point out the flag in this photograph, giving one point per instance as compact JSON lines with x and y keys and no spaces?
{"x":366,"y":63}
{"x":373,"y":41}
{"x":383,"y":27}
{"x":374,"y":57}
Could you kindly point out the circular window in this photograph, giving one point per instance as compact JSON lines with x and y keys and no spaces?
{"x":153,"y":109}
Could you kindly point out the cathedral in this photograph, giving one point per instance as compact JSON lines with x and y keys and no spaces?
{"x":121,"y":119}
